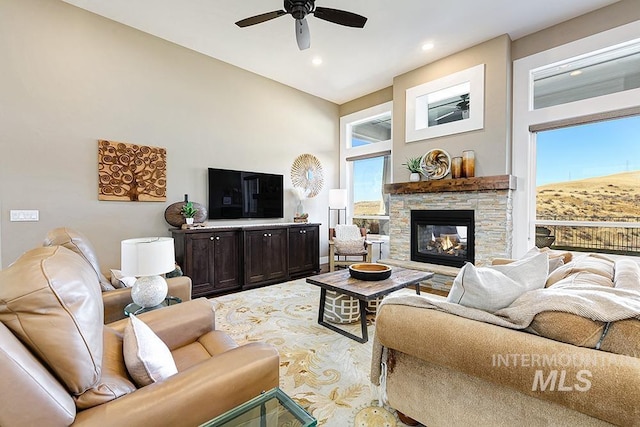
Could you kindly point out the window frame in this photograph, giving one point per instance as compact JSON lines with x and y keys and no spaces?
{"x":349,"y":153}
{"x":527,"y":121}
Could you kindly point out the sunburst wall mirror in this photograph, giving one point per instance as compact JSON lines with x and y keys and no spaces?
{"x":306,"y":173}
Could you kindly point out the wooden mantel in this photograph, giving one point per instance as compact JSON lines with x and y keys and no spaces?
{"x":482,"y":183}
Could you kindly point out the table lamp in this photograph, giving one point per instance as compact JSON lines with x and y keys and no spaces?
{"x":146,"y":258}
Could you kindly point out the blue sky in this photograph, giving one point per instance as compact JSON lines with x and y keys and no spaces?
{"x":587,"y":151}
{"x":368,"y":179}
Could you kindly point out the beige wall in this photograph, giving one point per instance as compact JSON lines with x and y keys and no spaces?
{"x":492,"y":143}
{"x":615,"y":15}
{"x":69,"y":78}
{"x":371,"y":100}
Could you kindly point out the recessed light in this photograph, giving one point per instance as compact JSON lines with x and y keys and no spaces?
{"x":316,"y":61}
{"x":427,"y":46}
{"x":575,"y":73}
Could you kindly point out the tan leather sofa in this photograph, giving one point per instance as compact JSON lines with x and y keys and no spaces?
{"x":114,"y":299}
{"x":61,"y":365}
{"x":447,"y":370}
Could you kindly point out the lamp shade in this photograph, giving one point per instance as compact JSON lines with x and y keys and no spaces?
{"x":147,"y":256}
{"x":338,"y":199}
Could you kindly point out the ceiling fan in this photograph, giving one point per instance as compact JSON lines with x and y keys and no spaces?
{"x":299,"y":9}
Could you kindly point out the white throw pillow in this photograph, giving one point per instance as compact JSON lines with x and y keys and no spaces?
{"x":496,"y":287}
{"x":118,"y":280}
{"x":556,"y":260}
{"x":147,"y":358}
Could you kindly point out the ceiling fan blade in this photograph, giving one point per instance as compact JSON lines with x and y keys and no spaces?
{"x":302,"y":34}
{"x":341,"y":17}
{"x":258,"y":19}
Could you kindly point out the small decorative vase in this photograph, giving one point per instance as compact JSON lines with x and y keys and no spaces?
{"x":468,"y":163}
{"x":456,"y":167}
{"x":189,"y":220}
{"x":414,"y":177}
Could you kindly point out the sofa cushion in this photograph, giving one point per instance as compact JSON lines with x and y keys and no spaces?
{"x":621,"y":337}
{"x":114,"y":379}
{"x":496,"y":287}
{"x":78,"y":243}
{"x":147,"y":358}
{"x":51,"y":301}
{"x":594,"y":263}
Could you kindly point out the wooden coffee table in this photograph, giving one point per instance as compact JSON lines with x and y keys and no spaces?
{"x":341,"y":282}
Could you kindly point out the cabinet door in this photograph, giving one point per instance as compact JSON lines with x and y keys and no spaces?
{"x":226,"y":265}
{"x":265,"y":256}
{"x":199,"y":257}
{"x":276,"y":254}
{"x":255,"y":247}
{"x":303,"y":250}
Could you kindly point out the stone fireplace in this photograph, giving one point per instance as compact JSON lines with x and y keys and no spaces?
{"x":444,"y":237}
{"x":490,"y":199}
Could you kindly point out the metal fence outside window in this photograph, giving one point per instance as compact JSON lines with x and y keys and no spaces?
{"x":597,"y":234}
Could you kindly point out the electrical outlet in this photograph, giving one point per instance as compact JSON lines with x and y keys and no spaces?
{"x":25,"y":215}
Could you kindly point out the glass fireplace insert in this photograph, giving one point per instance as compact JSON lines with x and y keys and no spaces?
{"x":444,"y":237}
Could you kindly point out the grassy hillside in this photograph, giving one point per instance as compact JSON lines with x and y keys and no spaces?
{"x":613,"y":196}
{"x":368,"y":208}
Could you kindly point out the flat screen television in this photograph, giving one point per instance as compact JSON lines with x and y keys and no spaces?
{"x":242,"y":194}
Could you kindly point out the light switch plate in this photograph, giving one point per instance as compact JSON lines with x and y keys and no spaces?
{"x":25,"y":215}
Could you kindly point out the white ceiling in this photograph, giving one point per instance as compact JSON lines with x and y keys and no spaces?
{"x":355,"y":61}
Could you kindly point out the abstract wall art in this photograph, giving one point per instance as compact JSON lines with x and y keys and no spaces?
{"x":130,"y":172}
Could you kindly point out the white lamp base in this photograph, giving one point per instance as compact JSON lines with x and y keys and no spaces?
{"x":149,"y":291}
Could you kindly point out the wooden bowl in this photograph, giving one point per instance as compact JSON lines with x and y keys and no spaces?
{"x":369,"y":271}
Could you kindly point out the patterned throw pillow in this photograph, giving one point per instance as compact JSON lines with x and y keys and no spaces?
{"x":351,"y":246}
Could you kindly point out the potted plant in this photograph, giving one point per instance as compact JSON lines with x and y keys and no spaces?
{"x":188,"y":212}
{"x":413,"y":165}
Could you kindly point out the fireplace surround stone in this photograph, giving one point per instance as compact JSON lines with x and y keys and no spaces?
{"x":490,"y":197}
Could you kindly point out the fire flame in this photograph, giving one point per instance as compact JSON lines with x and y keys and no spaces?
{"x":446,"y":243}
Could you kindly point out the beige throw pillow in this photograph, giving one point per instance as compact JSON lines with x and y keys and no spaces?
{"x":352,"y":246}
{"x":147,"y":358}
{"x":496,"y":287}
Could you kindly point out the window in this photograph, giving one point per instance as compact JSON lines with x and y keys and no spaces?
{"x":371,"y":131}
{"x":370,"y":204}
{"x":365,"y":166}
{"x":613,"y":70}
{"x":555,"y":116}
{"x":588,"y":187}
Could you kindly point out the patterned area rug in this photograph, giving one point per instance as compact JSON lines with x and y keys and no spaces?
{"x":325,"y":372}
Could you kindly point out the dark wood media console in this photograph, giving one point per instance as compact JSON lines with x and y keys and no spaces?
{"x":232,"y":258}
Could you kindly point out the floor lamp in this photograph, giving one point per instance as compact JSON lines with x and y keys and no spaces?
{"x":337,"y":202}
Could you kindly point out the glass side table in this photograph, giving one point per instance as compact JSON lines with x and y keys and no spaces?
{"x":272,"y":408}
{"x":135,"y":309}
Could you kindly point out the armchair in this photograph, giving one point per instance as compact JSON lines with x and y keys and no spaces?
{"x":348,"y":242}
{"x":63,"y":366}
{"x":114,"y":299}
